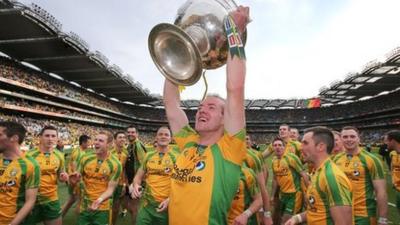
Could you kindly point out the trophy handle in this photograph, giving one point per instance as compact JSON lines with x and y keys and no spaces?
{"x":175,"y":54}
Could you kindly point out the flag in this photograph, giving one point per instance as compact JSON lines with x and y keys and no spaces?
{"x":313,"y":103}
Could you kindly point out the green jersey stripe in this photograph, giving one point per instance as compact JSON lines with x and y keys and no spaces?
{"x":323,"y":197}
{"x":369,"y":188}
{"x":297,"y":165}
{"x":85,"y":161}
{"x":60,"y":157}
{"x":36,"y":179}
{"x":118,"y":171}
{"x":256,"y":160}
{"x":190,"y":144}
{"x":224,"y":187}
{"x":333,"y":186}
{"x":34,"y":153}
{"x":379,"y":173}
{"x":293,"y":172}
{"x":147,"y":158}
{"x":172,"y":156}
{"x":22,"y":188}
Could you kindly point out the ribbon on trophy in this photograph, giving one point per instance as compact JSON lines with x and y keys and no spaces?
{"x":235,"y":42}
{"x":181,"y":88}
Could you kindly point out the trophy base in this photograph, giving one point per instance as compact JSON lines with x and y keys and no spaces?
{"x":175,"y":54}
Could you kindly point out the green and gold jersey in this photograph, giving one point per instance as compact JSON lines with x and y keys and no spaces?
{"x":51,"y":165}
{"x":205,"y":178}
{"x":16,"y":176}
{"x":122,"y":157}
{"x":149,"y":147}
{"x":334,"y":154}
{"x":75,"y":157}
{"x":96,"y":174}
{"x":248,"y":188}
{"x":254,"y":161}
{"x":329,"y":187}
{"x":395,"y":157}
{"x":287,"y":172}
{"x":295,"y":147}
{"x":362,"y":169}
{"x":158,"y":168}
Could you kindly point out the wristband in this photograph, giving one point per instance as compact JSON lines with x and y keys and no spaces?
{"x":248,"y":212}
{"x":267,"y":214}
{"x":100,"y":199}
{"x":234,"y":40}
{"x":382,"y":220}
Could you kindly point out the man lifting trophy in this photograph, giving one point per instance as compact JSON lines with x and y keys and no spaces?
{"x":205,"y":178}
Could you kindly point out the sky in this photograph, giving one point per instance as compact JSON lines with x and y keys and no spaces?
{"x":294,"y":47}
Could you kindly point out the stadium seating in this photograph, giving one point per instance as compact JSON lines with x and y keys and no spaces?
{"x":33,"y":97}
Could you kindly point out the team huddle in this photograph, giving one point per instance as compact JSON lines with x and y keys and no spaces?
{"x":210,"y":175}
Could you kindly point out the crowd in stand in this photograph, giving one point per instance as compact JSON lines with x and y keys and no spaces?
{"x":14,"y":71}
{"x":350,"y":110}
{"x":69,"y":132}
{"x":62,"y":111}
{"x":336,"y":112}
{"x":17,"y":72}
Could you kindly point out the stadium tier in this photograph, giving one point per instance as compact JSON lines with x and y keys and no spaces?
{"x":31,"y":95}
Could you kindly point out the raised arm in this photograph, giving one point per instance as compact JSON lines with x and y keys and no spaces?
{"x":234,"y":115}
{"x":175,"y":115}
{"x":267,"y":152}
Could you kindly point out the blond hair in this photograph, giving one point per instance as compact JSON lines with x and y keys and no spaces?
{"x":108,"y":134}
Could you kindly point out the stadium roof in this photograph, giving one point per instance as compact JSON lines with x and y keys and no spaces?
{"x":248,"y":104}
{"x":32,"y":35}
{"x":374,"y":79}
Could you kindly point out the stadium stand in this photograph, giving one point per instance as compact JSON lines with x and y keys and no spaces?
{"x":35,"y":93}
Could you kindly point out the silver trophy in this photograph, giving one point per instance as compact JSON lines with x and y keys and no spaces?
{"x":196,"y":41}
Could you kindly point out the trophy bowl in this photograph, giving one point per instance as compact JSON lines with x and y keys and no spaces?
{"x":196,"y":41}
